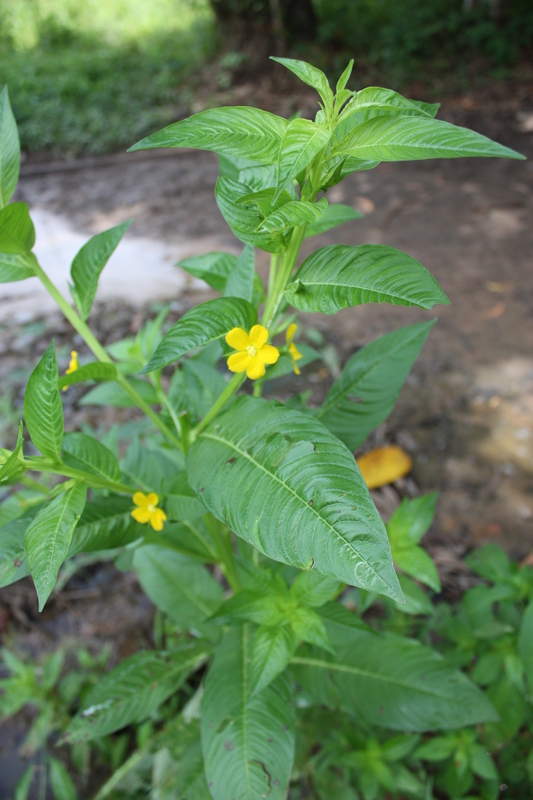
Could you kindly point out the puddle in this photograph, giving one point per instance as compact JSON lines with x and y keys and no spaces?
{"x":140,"y":270}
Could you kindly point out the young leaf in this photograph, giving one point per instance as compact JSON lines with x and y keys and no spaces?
{"x":42,"y":407}
{"x":111,"y":394}
{"x":201,"y":325}
{"x":302,"y":141}
{"x":16,"y":267}
{"x":88,"y":455}
{"x":240,"y":282}
{"x":365,"y":392}
{"x":345,"y":77}
{"x":244,"y":218}
{"x":312,"y":589}
{"x":311,"y":76}
{"x":273,"y":475}
{"x":213,"y":268}
{"x":335,"y":214}
{"x":133,"y":690}
{"x":235,"y":130}
{"x":247,"y":741}
{"x":94,"y":371}
{"x":375,"y":102}
{"x":48,"y":538}
{"x":17,"y":233}
{"x":61,"y":782}
{"x":413,"y":138}
{"x":22,"y":789}
{"x":13,"y":468}
{"x":178,"y":585}
{"x":258,"y":606}
{"x":309,"y":627}
{"x":412,"y":519}
{"x":89,"y":263}
{"x":295,"y":213}
{"x":390,"y":681}
{"x":339,"y":276}
{"x":273,"y":648}
{"x":416,"y":600}
{"x":9,"y":150}
{"x":416,"y":562}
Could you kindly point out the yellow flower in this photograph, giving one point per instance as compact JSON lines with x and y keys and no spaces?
{"x":148,"y":511}
{"x":73,"y":366}
{"x":253,"y":351}
{"x":293,"y":350}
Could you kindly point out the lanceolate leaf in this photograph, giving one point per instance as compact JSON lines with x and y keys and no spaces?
{"x":247,"y":741}
{"x":13,"y":563}
{"x":133,"y":691}
{"x":295,"y":213}
{"x":88,"y":455}
{"x":339,"y":276}
{"x":375,"y":102}
{"x":413,"y":138}
{"x":48,"y":538}
{"x":389,"y":681}
{"x":42,"y":407}
{"x":363,"y":395}
{"x":201,"y":325}
{"x":302,"y":141}
{"x":9,"y":149}
{"x":243,"y":219}
{"x":94,"y":371}
{"x":17,"y":234}
{"x":12,"y":468}
{"x":111,"y":394}
{"x":178,"y":585}
{"x":272,"y":650}
{"x":16,"y":267}
{"x":240,"y":282}
{"x":283,"y":483}
{"x":310,"y":75}
{"x":213,"y":268}
{"x":234,"y":130}
{"x":89,"y":263}
{"x":106,"y":523}
{"x":335,"y":214}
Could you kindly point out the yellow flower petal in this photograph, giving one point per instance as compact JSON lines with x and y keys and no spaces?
{"x":157,"y":519}
{"x":142,"y":515}
{"x":268,"y":354}
{"x":238,"y":362}
{"x":384,"y":465}
{"x":296,"y":369}
{"x":291,"y":330}
{"x":152,"y":499}
{"x":238,"y":339}
{"x":140,"y":499}
{"x":294,"y":352}
{"x":256,"y":369}
{"x":258,"y":336}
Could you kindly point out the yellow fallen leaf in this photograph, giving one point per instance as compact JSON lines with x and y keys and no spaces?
{"x":384,"y":465}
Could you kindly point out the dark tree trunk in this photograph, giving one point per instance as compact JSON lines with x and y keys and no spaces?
{"x":283,"y":22}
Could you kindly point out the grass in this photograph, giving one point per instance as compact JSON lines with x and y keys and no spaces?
{"x":94,"y":77}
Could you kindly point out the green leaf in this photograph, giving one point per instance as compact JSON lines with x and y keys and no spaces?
{"x":273,"y":648}
{"x":244,"y":218}
{"x":42,"y":407}
{"x":150,"y":468}
{"x":417,"y":563}
{"x":416,"y":600}
{"x":482,"y":764}
{"x":309,"y":627}
{"x":9,"y":149}
{"x":178,"y":585}
{"x":335,"y":169}
{"x":233,"y":130}
{"x":48,"y":537}
{"x":16,"y":267}
{"x":13,"y":467}
{"x":89,"y":262}
{"x":231,"y":166}
{"x":365,"y":392}
{"x":311,"y":76}
{"x":490,"y":562}
{"x":247,"y":741}
{"x":294,"y":214}
{"x":375,"y":102}
{"x":133,"y":690}
{"x":106,"y":523}
{"x":313,"y":589}
{"x":194,"y":388}
{"x":438,"y":749}
{"x":17,"y":234}
{"x":283,"y":483}
{"x":285,"y":365}
{"x":13,"y":563}
{"x":94,"y":371}
{"x":525,"y":642}
{"x":88,"y":455}
{"x":191,"y":539}
{"x":413,"y":138}
{"x":261,"y":607}
{"x":111,"y":394}
{"x":390,"y":681}
{"x":412,"y":519}
{"x":240,"y":282}
{"x":213,"y":268}
{"x":345,"y":77}
{"x":61,"y":782}
{"x":339,"y":276}
{"x":302,"y":141}
{"x":182,"y":503}
{"x":335,"y":214}
{"x":203,"y":324}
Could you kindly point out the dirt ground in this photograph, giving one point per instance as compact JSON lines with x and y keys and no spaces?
{"x":466,"y":412}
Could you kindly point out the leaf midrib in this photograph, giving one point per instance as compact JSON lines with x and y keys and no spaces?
{"x":338,"y":536}
{"x":306,"y":283}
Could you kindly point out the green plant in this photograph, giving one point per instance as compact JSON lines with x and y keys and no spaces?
{"x":269,"y":493}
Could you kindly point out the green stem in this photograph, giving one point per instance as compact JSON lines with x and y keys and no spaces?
{"x":233,"y":386}
{"x":39,"y":464}
{"x":31,"y":483}
{"x":274,"y":262}
{"x":92,"y":342}
{"x":285,"y":271}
